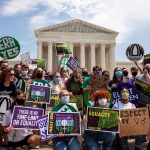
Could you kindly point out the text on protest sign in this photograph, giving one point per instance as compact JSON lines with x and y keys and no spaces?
{"x":66,"y":123}
{"x":43,"y":122}
{"x":39,"y":94}
{"x":20,"y":84}
{"x":100,"y":119}
{"x":9,"y":47}
{"x":134,"y":122}
{"x":72,"y":63}
{"x":26,"y":117}
{"x":133,"y":94}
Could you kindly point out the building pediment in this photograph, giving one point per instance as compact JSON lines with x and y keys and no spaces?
{"x":76,"y":26}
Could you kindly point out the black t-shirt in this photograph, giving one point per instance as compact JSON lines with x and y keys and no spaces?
{"x":10,"y":90}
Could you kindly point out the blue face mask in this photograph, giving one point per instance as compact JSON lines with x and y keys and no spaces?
{"x":65,"y":99}
{"x":118,"y":73}
{"x":57,"y":79}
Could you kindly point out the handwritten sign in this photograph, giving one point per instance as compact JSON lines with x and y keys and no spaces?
{"x":133,"y":93}
{"x":66,"y":123}
{"x":72,"y":63}
{"x":39,"y":94}
{"x":26,"y":117}
{"x":134,"y":122}
{"x":101,"y":119}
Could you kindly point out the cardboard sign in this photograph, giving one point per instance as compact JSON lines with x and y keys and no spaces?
{"x":9,"y":47}
{"x":134,"y":122}
{"x":1,"y":117}
{"x":25,"y":58}
{"x":66,"y":123}
{"x":26,"y":117}
{"x":43,"y":122}
{"x":96,"y":83}
{"x":5,"y":103}
{"x":146,"y":59}
{"x":20,"y":84}
{"x":102,"y":119}
{"x":39,"y":94}
{"x":63,"y":48}
{"x":72,"y":63}
{"x":133,"y":93}
{"x":142,"y":87}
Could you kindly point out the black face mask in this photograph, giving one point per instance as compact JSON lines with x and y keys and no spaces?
{"x":39,"y":75}
{"x":134,"y":74}
{"x":125,"y":73}
{"x":20,"y":102}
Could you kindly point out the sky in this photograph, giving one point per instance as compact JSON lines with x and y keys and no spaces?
{"x":19,"y":19}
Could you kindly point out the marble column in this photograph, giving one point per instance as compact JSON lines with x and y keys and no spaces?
{"x":50,"y":57}
{"x":103,"y":57}
{"x":82,"y":55}
{"x":39,"y":49}
{"x":92,"y":52}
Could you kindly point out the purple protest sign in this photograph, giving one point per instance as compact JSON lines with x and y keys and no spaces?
{"x":72,"y":63}
{"x":133,"y":93}
{"x":26,"y":117}
{"x":66,"y":123}
{"x":39,"y":94}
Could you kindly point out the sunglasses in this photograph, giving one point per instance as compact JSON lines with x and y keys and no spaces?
{"x":12,"y":74}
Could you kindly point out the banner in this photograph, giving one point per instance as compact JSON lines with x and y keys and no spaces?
{"x":25,"y":58}
{"x":1,"y":117}
{"x":146,"y":59}
{"x":143,"y":87}
{"x":102,"y":119}
{"x":63,"y":48}
{"x":40,"y":63}
{"x":43,"y":122}
{"x":9,"y":47}
{"x":26,"y":117}
{"x":66,"y":123}
{"x":96,"y":83}
{"x":20,"y":84}
{"x":134,"y":122}
{"x":133,"y":93}
{"x":5,"y":103}
{"x":72,"y":63}
{"x":39,"y":94}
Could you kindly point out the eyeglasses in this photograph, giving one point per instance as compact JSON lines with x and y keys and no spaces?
{"x":65,"y":94}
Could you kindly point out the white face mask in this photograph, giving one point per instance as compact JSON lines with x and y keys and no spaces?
{"x":102,"y":101}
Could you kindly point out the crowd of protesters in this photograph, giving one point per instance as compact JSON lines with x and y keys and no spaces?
{"x":66,"y":84}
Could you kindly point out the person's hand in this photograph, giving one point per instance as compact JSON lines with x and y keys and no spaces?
{"x":145,"y":72}
{"x":113,"y":86}
{"x":8,"y":129}
{"x":61,"y":134}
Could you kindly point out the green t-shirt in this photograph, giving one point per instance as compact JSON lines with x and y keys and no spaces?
{"x":41,"y":83}
{"x":64,"y":108}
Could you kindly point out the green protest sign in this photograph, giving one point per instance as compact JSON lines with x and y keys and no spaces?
{"x":9,"y":47}
{"x":20,"y":84}
{"x":40,"y":62}
{"x":102,"y":119}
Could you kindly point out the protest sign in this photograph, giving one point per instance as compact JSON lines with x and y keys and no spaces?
{"x":133,"y":93}
{"x":54,"y":101}
{"x":102,"y":119}
{"x":25,"y":58}
{"x":146,"y":59}
{"x":72,"y":63}
{"x":1,"y":117}
{"x":134,"y":122}
{"x":40,"y":63}
{"x":41,"y":83}
{"x":9,"y":47}
{"x":66,"y":123}
{"x":96,"y":83}
{"x":5,"y":103}
{"x":63,"y":48}
{"x":48,"y":78}
{"x":39,"y":94}
{"x":43,"y":122}
{"x":142,"y":87}
{"x":26,"y":117}
{"x":20,"y":84}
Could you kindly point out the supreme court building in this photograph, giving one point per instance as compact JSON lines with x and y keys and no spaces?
{"x":92,"y":44}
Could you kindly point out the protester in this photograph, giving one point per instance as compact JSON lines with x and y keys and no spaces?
{"x":126,"y":74}
{"x":64,"y":74}
{"x":92,"y":138}
{"x":17,"y":69}
{"x":134,"y":72}
{"x":18,"y":138}
{"x":24,"y":72}
{"x":65,"y":142}
{"x":3,"y":64}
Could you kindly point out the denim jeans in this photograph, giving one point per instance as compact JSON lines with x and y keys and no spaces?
{"x":92,"y":139}
{"x":139,"y":141}
{"x":66,"y":143}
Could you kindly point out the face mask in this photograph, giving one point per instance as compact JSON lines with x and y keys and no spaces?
{"x":20,"y":101}
{"x":134,"y":74}
{"x":65,"y":99}
{"x":24,"y":72}
{"x":118,"y":73}
{"x":57,"y":79}
{"x":39,"y":75}
{"x":125,"y":73}
{"x":102,"y":102}
{"x":125,"y":95}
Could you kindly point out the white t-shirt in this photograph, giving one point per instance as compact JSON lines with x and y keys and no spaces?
{"x":120,"y":105}
{"x":17,"y":134}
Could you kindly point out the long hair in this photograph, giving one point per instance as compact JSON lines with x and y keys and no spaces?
{"x":115,"y":80}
